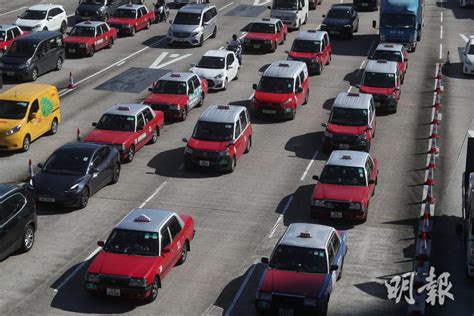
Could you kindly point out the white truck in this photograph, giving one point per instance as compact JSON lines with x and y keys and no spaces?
{"x":293,"y":13}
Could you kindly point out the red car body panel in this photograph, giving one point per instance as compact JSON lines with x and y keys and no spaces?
{"x":5,"y":44}
{"x":97,"y":42}
{"x":276,"y":99}
{"x":167,"y":99}
{"x":138,"y":23}
{"x":352,"y":130}
{"x":383,"y":91}
{"x":293,"y":283}
{"x":323,"y":57}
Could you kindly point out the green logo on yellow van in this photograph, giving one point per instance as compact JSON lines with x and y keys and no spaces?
{"x":46,"y":106}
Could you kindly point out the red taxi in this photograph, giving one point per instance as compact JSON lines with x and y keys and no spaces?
{"x":130,"y":18}
{"x":86,"y":38}
{"x":8,"y":33}
{"x":282,"y":89}
{"x":129,"y":127}
{"x":393,"y":52}
{"x":265,"y":34}
{"x":139,"y":254}
{"x":313,"y":48}
{"x":345,"y":187}
{"x":176,"y":93}
{"x":222,"y":135}
{"x":382,"y":79}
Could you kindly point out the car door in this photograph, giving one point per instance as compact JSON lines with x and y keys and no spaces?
{"x":166,"y":251}
{"x":299,"y":95}
{"x":149,"y":124}
{"x":96,"y":169}
{"x":141,"y":133}
{"x":372,"y":120}
{"x":232,"y":66}
{"x":11,"y":222}
{"x":193,"y":94}
{"x":197,"y":89}
{"x":331,"y":261}
{"x":244,"y":125}
{"x":239,"y":139}
{"x":324,"y":53}
{"x":107,"y":35}
{"x":53,"y":20}
{"x":99,"y":38}
{"x":339,"y":253}
{"x":50,"y":57}
{"x":33,"y":122}
{"x":177,"y":238}
{"x":369,"y":167}
{"x":9,"y":38}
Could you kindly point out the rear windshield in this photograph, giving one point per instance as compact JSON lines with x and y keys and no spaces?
{"x":276,"y":85}
{"x":342,"y":175}
{"x":170,"y":87}
{"x":13,"y":110}
{"x":388,"y":55}
{"x":21,"y":49}
{"x":211,"y":62}
{"x":262,"y":28}
{"x":33,"y":15}
{"x":113,"y":122}
{"x":83,"y":31}
{"x":213,"y":131}
{"x":304,"y":46}
{"x":351,"y":117}
{"x":125,"y":13}
{"x":379,"y":80}
{"x":299,"y":259}
{"x":186,"y":18}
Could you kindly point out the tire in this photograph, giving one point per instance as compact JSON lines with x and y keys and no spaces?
{"x":226,"y":82}
{"x":184,"y":254}
{"x":340,"y":273}
{"x":214,"y":33}
{"x":201,"y":41}
{"x":34,"y":75}
{"x":232,"y":165}
{"x":45,"y":28}
{"x":116,"y":175}
{"x":249,"y":144}
{"x":59,"y":64}
{"x":305,"y":19}
{"x":84,"y":200}
{"x":156,"y":133}
{"x":329,"y":59}
{"x":133,"y":32}
{"x":185,"y":114}
{"x":63,"y":27}
{"x":299,"y":25}
{"x":26,"y":143}
{"x":154,"y":291}
{"x":148,"y":25}
{"x":92,"y":51}
{"x":131,"y":153}
{"x":28,"y":238}
{"x":306,"y":98}
{"x":111,"y":42}
{"x":54,"y":127}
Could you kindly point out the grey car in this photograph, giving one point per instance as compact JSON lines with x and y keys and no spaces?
{"x":193,"y":24}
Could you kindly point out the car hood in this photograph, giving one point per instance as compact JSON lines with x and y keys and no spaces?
{"x":282,"y":13}
{"x":122,"y":264}
{"x":50,"y":183}
{"x":339,"y":192}
{"x":183,"y":28}
{"x":207,"y":145}
{"x":346,"y":129}
{"x":6,"y":124}
{"x":166,"y":99}
{"x":28,"y":23}
{"x":14,"y":60}
{"x":295,"y":283}
{"x":78,"y":39}
{"x":121,"y":21}
{"x":303,"y":55}
{"x":106,"y":136}
{"x":337,"y":21}
{"x":207,"y":73}
{"x":272,"y":97}
{"x":260,"y":36}
{"x":83,"y":7}
{"x":376,"y":90}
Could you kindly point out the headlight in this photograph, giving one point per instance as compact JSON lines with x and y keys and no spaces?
{"x":73,"y":188}
{"x":137,"y":282}
{"x":467,"y":61}
{"x":83,"y":45}
{"x":310,"y":301}
{"x":318,"y":203}
{"x":127,"y":26}
{"x":264,"y":296}
{"x":289,"y":58}
{"x":382,"y":37}
{"x":314,"y":60}
{"x":287,"y":101}
{"x":355,"y":206}
{"x":93,"y":278}
{"x":348,"y":25}
{"x":362,"y":137}
{"x":175,"y":107}
{"x":195,"y":33}
{"x":267,"y":42}
{"x":13,"y":130}
{"x":219,"y":76}
{"x":327,"y":134}
{"x":188,"y":150}
{"x":246,"y":40}
{"x":36,"y":26}
{"x":224,"y":153}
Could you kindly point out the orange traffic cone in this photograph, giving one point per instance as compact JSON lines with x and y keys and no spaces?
{"x":437,"y":103}
{"x":30,"y":170}
{"x":78,"y":135}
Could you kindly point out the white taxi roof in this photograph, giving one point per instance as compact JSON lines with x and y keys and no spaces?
{"x":395,"y":47}
{"x":177,"y":76}
{"x":347,"y":158}
{"x":216,"y":53}
{"x":267,"y":20}
{"x":382,"y":66}
{"x":310,"y":35}
{"x":131,"y":6}
{"x":6,"y":27}
{"x":352,"y":100}
{"x":44,"y":7}
{"x":89,"y":23}
{"x":221,"y":113}
{"x":284,"y":68}
{"x":318,"y":235}
{"x":127,"y":109}
{"x":151,"y":222}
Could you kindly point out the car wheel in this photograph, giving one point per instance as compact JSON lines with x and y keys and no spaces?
{"x":63,"y":27}
{"x":54,"y":127}
{"x":232,"y":165}
{"x":226,"y":82}
{"x":155,"y":136}
{"x":131,"y":153}
{"x":185,"y":113}
{"x":184,"y":254}
{"x":153,"y":291}
{"x":305,"y":19}
{"x":320,"y":70}
{"x":329,"y":59}
{"x":293,"y":113}
{"x":28,"y":238}
{"x":92,"y":51}
{"x":59,"y":64}
{"x":214,"y":33}
{"x":340,"y":273}
{"x":111,"y":42}
{"x":84,"y":199}
{"x":116,"y":175}
{"x":201,"y":41}
{"x":148,"y":24}
{"x":133,"y":32}
{"x":34,"y":74}
{"x":306,"y":98}
{"x":45,"y":28}
{"x":26,"y":143}
{"x":249,"y":144}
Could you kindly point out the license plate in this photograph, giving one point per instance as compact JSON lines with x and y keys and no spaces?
{"x":46,"y":199}
{"x":364,"y":4}
{"x":71,"y":50}
{"x":285,"y":312}
{"x":113,"y":292}
{"x":204,"y":163}
{"x":343,"y":146}
{"x":10,"y":73}
{"x":256,"y":45}
{"x":269,"y":111}
{"x":336,"y":214}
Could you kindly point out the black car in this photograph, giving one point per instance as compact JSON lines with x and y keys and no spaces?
{"x":17,"y":220}
{"x":97,"y":10}
{"x":33,"y":55}
{"x":341,"y":19}
{"x":74,"y":172}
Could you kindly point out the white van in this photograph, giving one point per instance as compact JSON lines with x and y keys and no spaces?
{"x":293,"y":13}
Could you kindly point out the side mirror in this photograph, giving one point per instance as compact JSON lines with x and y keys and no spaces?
{"x":40,"y":165}
{"x":357,"y":86}
{"x":299,"y":90}
{"x":171,"y":21}
{"x":459,"y":230}
{"x":369,"y":57}
{"x":68,"y":33}
{"x":140,"y":128}
{"x":334,"y":267}
{"x":232,"y":142}
{"x":94,"y":124}
{"x":32,"y":116}
{"x":166,"y":250}
{"x":184,"y":139}
{"x":265,"y":260}
{"x":316,"y":178}
{"x":397,"y":89}
{"x":371,"y":181}
{"x":324,"y":125}
{"x":205,"y":24}
{"x":150,"y":89}
{"x":269,"y":7}
{"x":324,"y":15}
{"x":254,"y":86}
{"x":287,"y":52}
{"x":49,"y":18}
{"x":193,"y":65}
{"x":101,"y":243}
{"x":229,"y":67}
{"x":374,"y":24}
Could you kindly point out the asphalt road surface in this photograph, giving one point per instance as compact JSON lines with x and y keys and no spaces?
{"x":240,"y":216}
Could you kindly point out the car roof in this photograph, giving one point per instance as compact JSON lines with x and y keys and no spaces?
{"x":7,"y":26}
{"x":131,"y":6}
{"x":6,"y":188}
{"x":216,"y":53}
{"x":351,"y":100}
{"x":390,"y":47}
{"x":310,"y":35}
{"x":284,"y":68}
{"x":151,"y":222}
{"x":382,"y":66}
{"x":90,"y":23}
{"x":43,"y":7}
{"x":347,"y":158}
{"x":221,"y":113}
{"x":177,"y":76}
{"x":319,"y":235}
{"x":195,"y":7}
{"x":129,"y":109}
{"x":25,"y":91}
{"x":38,"y":36}
{"x":267,"y":20}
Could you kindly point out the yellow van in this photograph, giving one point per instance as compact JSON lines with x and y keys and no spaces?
{"x":27,"y":111}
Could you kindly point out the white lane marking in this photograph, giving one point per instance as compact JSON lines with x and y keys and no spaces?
{"x":464,"y":38}
{"x":174,"y":55}
{"x":362,"y":66}
{"x":350,"y":88}
{"x":79,"y":267}
{"x":311,"y":162}
{"x":5,"y":13}
{"x":158,"y":60}
{"x":370,"y":48}
{"x":440,"y":51}
{"x":173,"y":61}
{"x":66,"y":91}
{"x":280,"y":218}
{"x":120,"y":64}
{"x":257,"y":2}
{"x":70,"y":15}
{"x":226,"y":6}
{"x":251,"y":96}
{"x":441,"y":32}
{"x":441,"y":17}
{"x":341,"y":1}
{"x":241,"y":289}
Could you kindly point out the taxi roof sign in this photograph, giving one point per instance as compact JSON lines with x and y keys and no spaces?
{"x":283,"y":65}
{"x":265,"y":19}
{"x":381,"y":61}
{"x":304,"y":235}
{"x":142,"y":218}
{"x":346,"y":157}
{"x":175,"y":75}
{"x":123,"y":108}
{"x":223,"y":107}
{"x":353,"y":94}
{"x":311,"y":31}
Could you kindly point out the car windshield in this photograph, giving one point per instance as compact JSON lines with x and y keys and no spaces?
{"x":213,"y":131}
{"x":68,"y":161}
{"x":389,"y":55}
{"x":13,"y":110}
{"x":21,"y":49}
{"x":170,"y":87}
{"x":349,"y":117}
{"x":93,"y":1}
{"x":87,"y":31}
{"x":262,"y":28}
{"x":33,"y":15}
{"x":379,"y":80}
{"x":113,"y":122}
{"x":275,"y":85}
{"x":398,"y":21}
{"x":299,"y":259}
{"x":285,"y":5}
{"x":186,"y":18}
{"x":339,"y":14}
{"x":343,"y":175}
{"x":304,"y":46}
{"x":471,"y":50}
{"x":211,"y":62}
{"x":125,"y":13}
{"x":133,"y":242}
